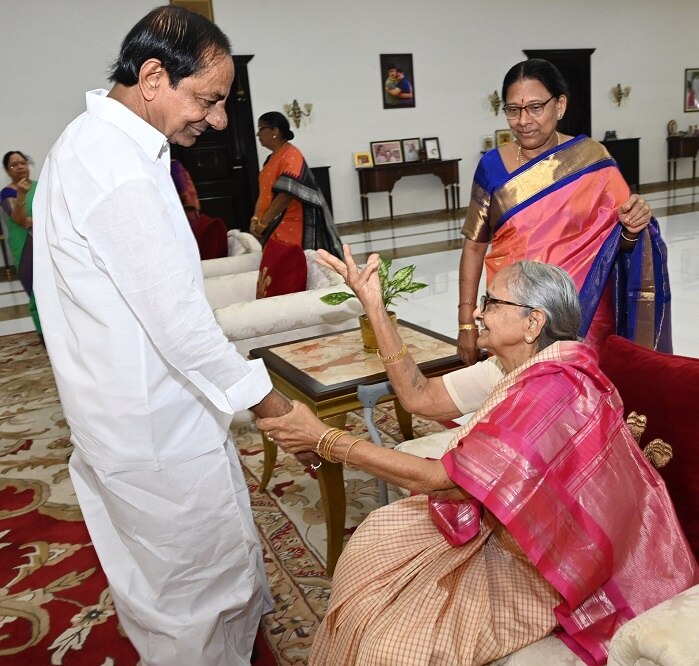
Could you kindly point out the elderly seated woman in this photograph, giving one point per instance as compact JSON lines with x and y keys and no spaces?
{"x":544,"y":516}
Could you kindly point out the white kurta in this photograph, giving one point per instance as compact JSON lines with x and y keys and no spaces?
{"x":149,"y":384}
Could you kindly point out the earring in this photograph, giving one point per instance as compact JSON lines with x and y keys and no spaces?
{"x":274,"y":136}
{"x":529,"y":339}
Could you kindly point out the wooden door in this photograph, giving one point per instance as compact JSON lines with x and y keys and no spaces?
{"x":224,"y":164}
{"x":574,"y":64}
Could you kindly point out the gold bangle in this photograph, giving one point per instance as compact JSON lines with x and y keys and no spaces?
{"x":330,"y":442}
{"x":466,"y":303}
{"x":321,"y":438}
{"x":468,"y":327}
{"x":393,"y":358}
{"x":630,"y":240}
{"x":349,"y":448}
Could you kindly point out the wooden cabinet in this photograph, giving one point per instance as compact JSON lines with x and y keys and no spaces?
{"x":625,"y":152}
{"x":224,"y":164}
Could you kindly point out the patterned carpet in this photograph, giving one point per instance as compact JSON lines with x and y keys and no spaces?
{"x":55,"y":606}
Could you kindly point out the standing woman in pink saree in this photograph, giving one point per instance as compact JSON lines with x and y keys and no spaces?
{"x":534,"y":521}
{"x":560,"y":199}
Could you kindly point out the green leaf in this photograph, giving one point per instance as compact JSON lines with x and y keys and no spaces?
{"x":414,"y":286}
{"x":336,"y":298}
{"x":402,"y":278}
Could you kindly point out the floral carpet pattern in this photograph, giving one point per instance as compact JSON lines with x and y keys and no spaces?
{"x":55,"y":605}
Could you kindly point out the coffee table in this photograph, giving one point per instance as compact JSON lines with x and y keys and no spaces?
{"x":324,"y":373}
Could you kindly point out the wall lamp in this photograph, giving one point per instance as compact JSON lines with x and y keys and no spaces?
{"x":619,"y":93}
{"x":495,"y":102}
{"x":294,"y":112}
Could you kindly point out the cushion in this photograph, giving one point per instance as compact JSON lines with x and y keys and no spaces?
{"x":665,"y":388}
{"x":212,"y":236}
{"x":283,"y":269}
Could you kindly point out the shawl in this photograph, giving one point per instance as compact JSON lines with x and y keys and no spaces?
{"x":549,"y":454}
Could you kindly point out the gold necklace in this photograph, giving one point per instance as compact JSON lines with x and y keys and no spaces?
{"x":520,"y":159}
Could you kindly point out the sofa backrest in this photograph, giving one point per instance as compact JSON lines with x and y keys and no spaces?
{"x":664,"y":388}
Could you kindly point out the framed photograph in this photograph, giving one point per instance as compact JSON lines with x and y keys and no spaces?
{"x":503,"y":137}
{"x":691,"y":89}
{"x":203,"y":7}
{"x":362,"y":159}
{"x":431,"y":146}
{"x":386,"y":152}
{"x":411,"y":149}
{"x":397,"y":80}
{"x":488,"y":143}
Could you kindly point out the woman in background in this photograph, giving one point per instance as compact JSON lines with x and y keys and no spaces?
{"x":16,"y":200}
{"x":562,"y":200}
{"x":290,"y":207}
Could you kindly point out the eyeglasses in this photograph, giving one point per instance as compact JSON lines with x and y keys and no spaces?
{"x":486,"y":300}
{"x":17,"y":164}
{"x":534,"y":109}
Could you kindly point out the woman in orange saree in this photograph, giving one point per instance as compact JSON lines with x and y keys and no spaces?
{"x":562,"y":200}
{"x":290,"y":207}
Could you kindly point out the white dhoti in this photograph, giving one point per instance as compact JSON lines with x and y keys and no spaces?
{"x":182,"y":557}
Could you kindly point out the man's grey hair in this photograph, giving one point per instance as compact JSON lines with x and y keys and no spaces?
{"x":550,"y":289}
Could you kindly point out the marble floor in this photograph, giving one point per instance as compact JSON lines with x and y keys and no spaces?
{"x":433,"y":241}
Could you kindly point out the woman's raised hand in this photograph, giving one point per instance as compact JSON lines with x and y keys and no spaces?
{"x":364,"y":282}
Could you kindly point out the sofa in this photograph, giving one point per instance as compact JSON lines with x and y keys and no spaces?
{"x":664,"y":388}
{"x":244,"y":254}
{"x":250,"y":322}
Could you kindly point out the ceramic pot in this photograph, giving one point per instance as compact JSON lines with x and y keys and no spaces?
{"x":368,"y":335}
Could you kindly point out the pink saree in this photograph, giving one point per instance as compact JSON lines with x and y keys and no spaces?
{"x":561,"y":208}
{"x":550,"y":456}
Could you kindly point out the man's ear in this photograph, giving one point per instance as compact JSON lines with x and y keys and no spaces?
{"x":150,"y":77}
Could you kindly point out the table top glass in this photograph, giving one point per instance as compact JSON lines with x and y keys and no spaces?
{"x":339,"y":358}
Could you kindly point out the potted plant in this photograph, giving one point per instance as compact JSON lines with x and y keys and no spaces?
{"x":392,"y":288}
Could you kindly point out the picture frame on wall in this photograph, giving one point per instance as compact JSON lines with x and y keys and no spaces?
{"x":503,"y":137}
{"x":386,"y":152}
{"x":362,"y":159}
{"x":397,"y":80}
{"x":203,"y":7}
{"x":411,"y":149}
{"x":691,"y":89}
{"x":431,"y":146}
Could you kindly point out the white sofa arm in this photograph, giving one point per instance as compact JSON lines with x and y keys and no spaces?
{"x":222,"y":290}
{"x":665,"y":635}
{"x":241,"y":263}
{"x":283,"y":313}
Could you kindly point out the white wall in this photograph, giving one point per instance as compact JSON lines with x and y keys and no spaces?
{"x":326,"y":52}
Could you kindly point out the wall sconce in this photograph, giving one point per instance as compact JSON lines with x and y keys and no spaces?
{"x":495,"y":102}
{"x":294,"y":112}
{"x":619,"y":93}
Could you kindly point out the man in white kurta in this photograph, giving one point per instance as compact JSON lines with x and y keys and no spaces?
{"x":147,"y":380}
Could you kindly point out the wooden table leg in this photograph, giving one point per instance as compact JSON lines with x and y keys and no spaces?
{"x":332,"y":494}
{"x":405,"y":420}
{"x":270,"y":459}
{"x":446,"y":197}
{"x":364,"y":199}
{"x":390,"y":203}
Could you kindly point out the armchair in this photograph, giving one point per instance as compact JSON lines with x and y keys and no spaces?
{"x":257,"y":323}
{"x":665,"y":389}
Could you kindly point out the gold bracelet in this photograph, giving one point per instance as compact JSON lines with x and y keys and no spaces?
{"x":394,"y":358}
{"x":320,"y":439}
{"x":349,"y":448}
{"x":630,"y":240}
{"x":330,"y":442}
{"x":468,"y":327}
{"x":466,"y":303}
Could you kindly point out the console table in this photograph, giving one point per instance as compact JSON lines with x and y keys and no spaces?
{"x":382,"y":179}
{"x":681,"y":146}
